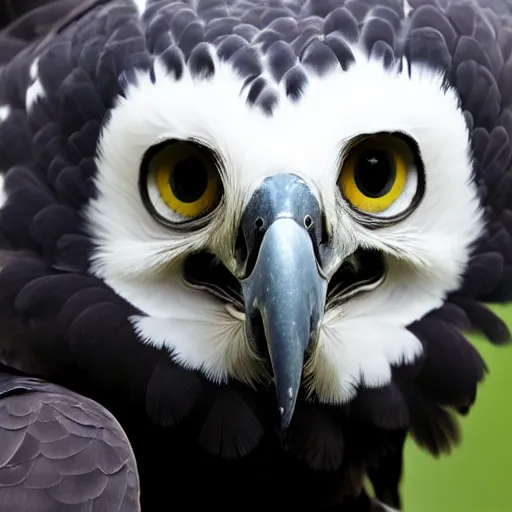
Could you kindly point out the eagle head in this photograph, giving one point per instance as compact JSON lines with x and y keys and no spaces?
{"x":291,"y":240}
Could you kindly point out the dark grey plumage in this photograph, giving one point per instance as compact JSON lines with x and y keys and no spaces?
{"x":59,"y":322}
{"x":60,"y":451}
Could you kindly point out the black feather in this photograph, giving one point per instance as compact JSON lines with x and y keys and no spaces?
{"x":341,"y":21}
{"x":316,"y":438}
{"x":172,"y":392}
{"x":231,"y":428}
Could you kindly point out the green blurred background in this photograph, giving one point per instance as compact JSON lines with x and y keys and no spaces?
{"x":477,"y":476}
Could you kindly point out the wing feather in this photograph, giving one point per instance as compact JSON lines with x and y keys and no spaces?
{"x":60,"y":451}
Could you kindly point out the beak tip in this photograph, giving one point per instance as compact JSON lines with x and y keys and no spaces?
{"x":286,"y":417}
{"x":287,"y":408}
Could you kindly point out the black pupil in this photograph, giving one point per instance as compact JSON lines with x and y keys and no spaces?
{"x":189,"y":180}
{"x":375,"y":173}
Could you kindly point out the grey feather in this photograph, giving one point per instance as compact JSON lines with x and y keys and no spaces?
{"x":60,"y":451}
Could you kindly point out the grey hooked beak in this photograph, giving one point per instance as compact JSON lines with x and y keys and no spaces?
{"x":284,"y":291}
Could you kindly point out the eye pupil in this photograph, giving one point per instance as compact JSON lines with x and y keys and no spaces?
{"x":375,"y":173}
{"x":189,"y":180}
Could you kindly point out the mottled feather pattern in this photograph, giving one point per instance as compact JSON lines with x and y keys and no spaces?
{"x":60,"y":322}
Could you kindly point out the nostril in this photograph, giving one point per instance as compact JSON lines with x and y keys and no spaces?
{"x":308,"y":221}
{"x":259,"y":223}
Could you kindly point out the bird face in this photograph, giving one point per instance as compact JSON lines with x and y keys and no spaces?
{"x":293,"y":241}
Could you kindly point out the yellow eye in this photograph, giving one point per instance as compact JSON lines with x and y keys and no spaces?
{"x":186,"y":180}
{"x":374,"y":173}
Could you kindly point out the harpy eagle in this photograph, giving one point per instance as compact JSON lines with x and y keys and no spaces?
{"x":240,"y":244}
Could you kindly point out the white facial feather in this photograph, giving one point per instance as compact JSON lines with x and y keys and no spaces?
{"x":35,"y":90}
{"x":425,"y":253}
{"x":141,"y":5}
{"x":3,"y":195}
{"x":5,"y":112}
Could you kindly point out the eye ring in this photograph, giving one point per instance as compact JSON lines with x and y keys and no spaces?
{"x":395,"y":191}
{"x":180,"y":183}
